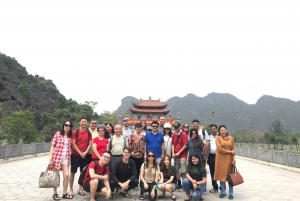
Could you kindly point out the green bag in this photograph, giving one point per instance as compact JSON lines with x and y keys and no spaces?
{"x":49,"y":179}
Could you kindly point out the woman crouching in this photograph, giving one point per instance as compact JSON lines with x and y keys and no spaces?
{"x":195,"y":178}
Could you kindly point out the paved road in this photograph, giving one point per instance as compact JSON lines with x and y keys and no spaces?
{"x":19,"y":180}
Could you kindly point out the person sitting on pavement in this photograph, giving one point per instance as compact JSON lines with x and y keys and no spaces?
{"x":195,"y":178}
{"x":96,"y":180}
{"x":149,"y":176}
{"x":167,"y":177}
{"x":124,"y":174}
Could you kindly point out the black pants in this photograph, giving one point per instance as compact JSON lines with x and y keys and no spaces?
{"x":211,"y":163}
{"x":150,"y":187}
{"x":138,"y":164}
{"x":132,"y":184}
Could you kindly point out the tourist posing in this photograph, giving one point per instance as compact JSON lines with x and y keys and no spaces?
{"x":212,"y":156}
{"x":124,"y":174}
{"x":100,"y":143}
{"x":195,"y":178}
{"x":60,"y":157}
{"x":167,"y":178}
{"x":96,"y":178}
{"x":126,"y":130}
{"x":225,"y":158}
{"x":149,"y":177}
{"x":109,"y":130}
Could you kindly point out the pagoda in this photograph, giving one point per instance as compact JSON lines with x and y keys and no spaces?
{"x":149,"y":110}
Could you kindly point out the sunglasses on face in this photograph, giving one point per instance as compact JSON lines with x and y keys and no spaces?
{"x":150,"y":156}
{"x":154,"y":126}
{"x":185,"y":127}
{"x":94,"y":123}
{"x":67,"y":125}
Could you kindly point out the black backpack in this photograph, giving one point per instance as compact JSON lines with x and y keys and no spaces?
{"x":82,"y":174}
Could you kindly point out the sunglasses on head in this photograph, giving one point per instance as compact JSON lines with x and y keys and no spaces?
{"x":67,"y":125}
{"x":151,"y":156}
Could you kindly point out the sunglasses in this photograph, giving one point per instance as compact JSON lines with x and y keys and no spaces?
{"x":150,"y":156}
{"x":185,"y":126}
{"x":154,"y":126}
{"x":94,"y":123}
{"x":67,"y":125}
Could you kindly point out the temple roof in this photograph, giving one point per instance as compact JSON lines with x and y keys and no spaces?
{"x":150,"y":103}
{"x":138,"y":110}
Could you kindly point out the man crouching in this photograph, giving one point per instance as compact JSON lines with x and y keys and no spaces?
{"x":96,"y":178}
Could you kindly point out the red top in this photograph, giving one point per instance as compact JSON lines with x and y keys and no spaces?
{"x":81,"y":141}
{"x":101,"y":146}
{"x":179,"y":141}
{"x":99,"y":171}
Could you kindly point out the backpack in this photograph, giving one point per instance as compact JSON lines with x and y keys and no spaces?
{"x":89,"y":134}
{"x":110,"y":142}
{"x":82,"y":174}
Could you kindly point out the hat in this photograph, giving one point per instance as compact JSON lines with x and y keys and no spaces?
{"x":167,"y":125}
{"x":176,"y":125}
{"x":125,"y":119}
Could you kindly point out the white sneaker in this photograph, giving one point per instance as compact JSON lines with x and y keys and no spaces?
{"x":213,"y":190}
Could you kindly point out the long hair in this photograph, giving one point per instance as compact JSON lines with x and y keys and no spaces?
{"x":62,"y":131}
{"x":199,"y":161}
{"x":164,"y":169}
{"x":154,"y":162}
{"x":145,"y":128}
{"x":106,"y":134}
{"x":170,"y":133}
{"x":196,"y":141}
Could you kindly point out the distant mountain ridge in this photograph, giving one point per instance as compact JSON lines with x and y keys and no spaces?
{"x":226,"y":109}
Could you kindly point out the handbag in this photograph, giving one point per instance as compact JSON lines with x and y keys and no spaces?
{"x":235,"y":178}
{"x":49,"y":179}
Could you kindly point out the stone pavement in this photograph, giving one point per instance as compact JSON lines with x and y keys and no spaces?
{"x":19,"y":181}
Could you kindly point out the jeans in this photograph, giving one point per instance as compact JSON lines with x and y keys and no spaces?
{"x":188,"y":186}
{"x":223,"y":188}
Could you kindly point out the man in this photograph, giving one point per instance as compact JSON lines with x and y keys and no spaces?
{"x":81,"y":144}
{"x":212,"y":155}
{"x":95,"y":174}
{"x":162,"y":121}
{"x":124,"y":174}
{"x":179,"y":151}
{"x":154,"y":141}
{"x":126,"y":130}
{"x":94,"y":133}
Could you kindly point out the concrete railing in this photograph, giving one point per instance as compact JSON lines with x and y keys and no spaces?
{"x":14,"y":150}
{"x":272,"y":156}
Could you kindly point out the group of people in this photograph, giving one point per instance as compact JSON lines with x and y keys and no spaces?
{"x":120,"y":159}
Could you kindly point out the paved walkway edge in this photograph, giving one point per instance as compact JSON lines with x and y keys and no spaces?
{"x":270,"y":164}
{"x":22,"y":157}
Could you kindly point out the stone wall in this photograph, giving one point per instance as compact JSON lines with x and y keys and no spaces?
{"x":272,"y":156}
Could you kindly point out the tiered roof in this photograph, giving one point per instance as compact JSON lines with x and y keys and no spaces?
{"x":149,"y":106}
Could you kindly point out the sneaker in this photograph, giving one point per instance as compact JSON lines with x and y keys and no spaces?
{"x":213,"y":190}
{"x":222,"y":195}
{"x":204,"y":191}
{"x":230,"y":197}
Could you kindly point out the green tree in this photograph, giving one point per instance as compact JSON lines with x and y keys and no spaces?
{"x":20,"y":125}
{"x":276,"y":127}
{"x":25,"y":90}
{"x":108,"y":117}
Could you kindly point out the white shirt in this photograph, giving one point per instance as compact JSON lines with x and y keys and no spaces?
{"x":201,"y":136}
{"x":212,"y":144}
{"x":126,"y":132}
{"x":168,"y":145}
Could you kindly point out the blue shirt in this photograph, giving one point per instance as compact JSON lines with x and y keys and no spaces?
{"x":191,"y":149}
{"x":154,"y":143}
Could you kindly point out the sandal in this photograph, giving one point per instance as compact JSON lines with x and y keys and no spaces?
{"x":112,"y":196}
{"x":126,"y":194}
{"x":173,"y":198}
{"x":82,"y":193}
{"x":142,"y":197}
{"x":67,"y":196}
{"x":56,"y":197}
{"x":188,"y":198}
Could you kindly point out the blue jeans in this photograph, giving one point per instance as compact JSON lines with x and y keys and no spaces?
{"x":188,"y":185}
{"x":223,"y":188}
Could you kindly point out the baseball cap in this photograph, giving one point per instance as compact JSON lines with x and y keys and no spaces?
{"x":176,"y":124}
{"x":125,"y":119}
{"x":167,"y":125}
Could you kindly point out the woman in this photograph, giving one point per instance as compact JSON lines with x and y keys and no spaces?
{"x":185,"y":128}
{"x":136,"y":143}
{"x":167,"y":178}
{"x":195,"y":145}
{"x":195,"y":178}
{"x":60,"y":156}
{"x":144,"y":127}
{"x":149,"y":176}
{"x":100,"y":144}
{"x":109,"y":130}
{"x":225,"y":158}
{"x":168,"y":138}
